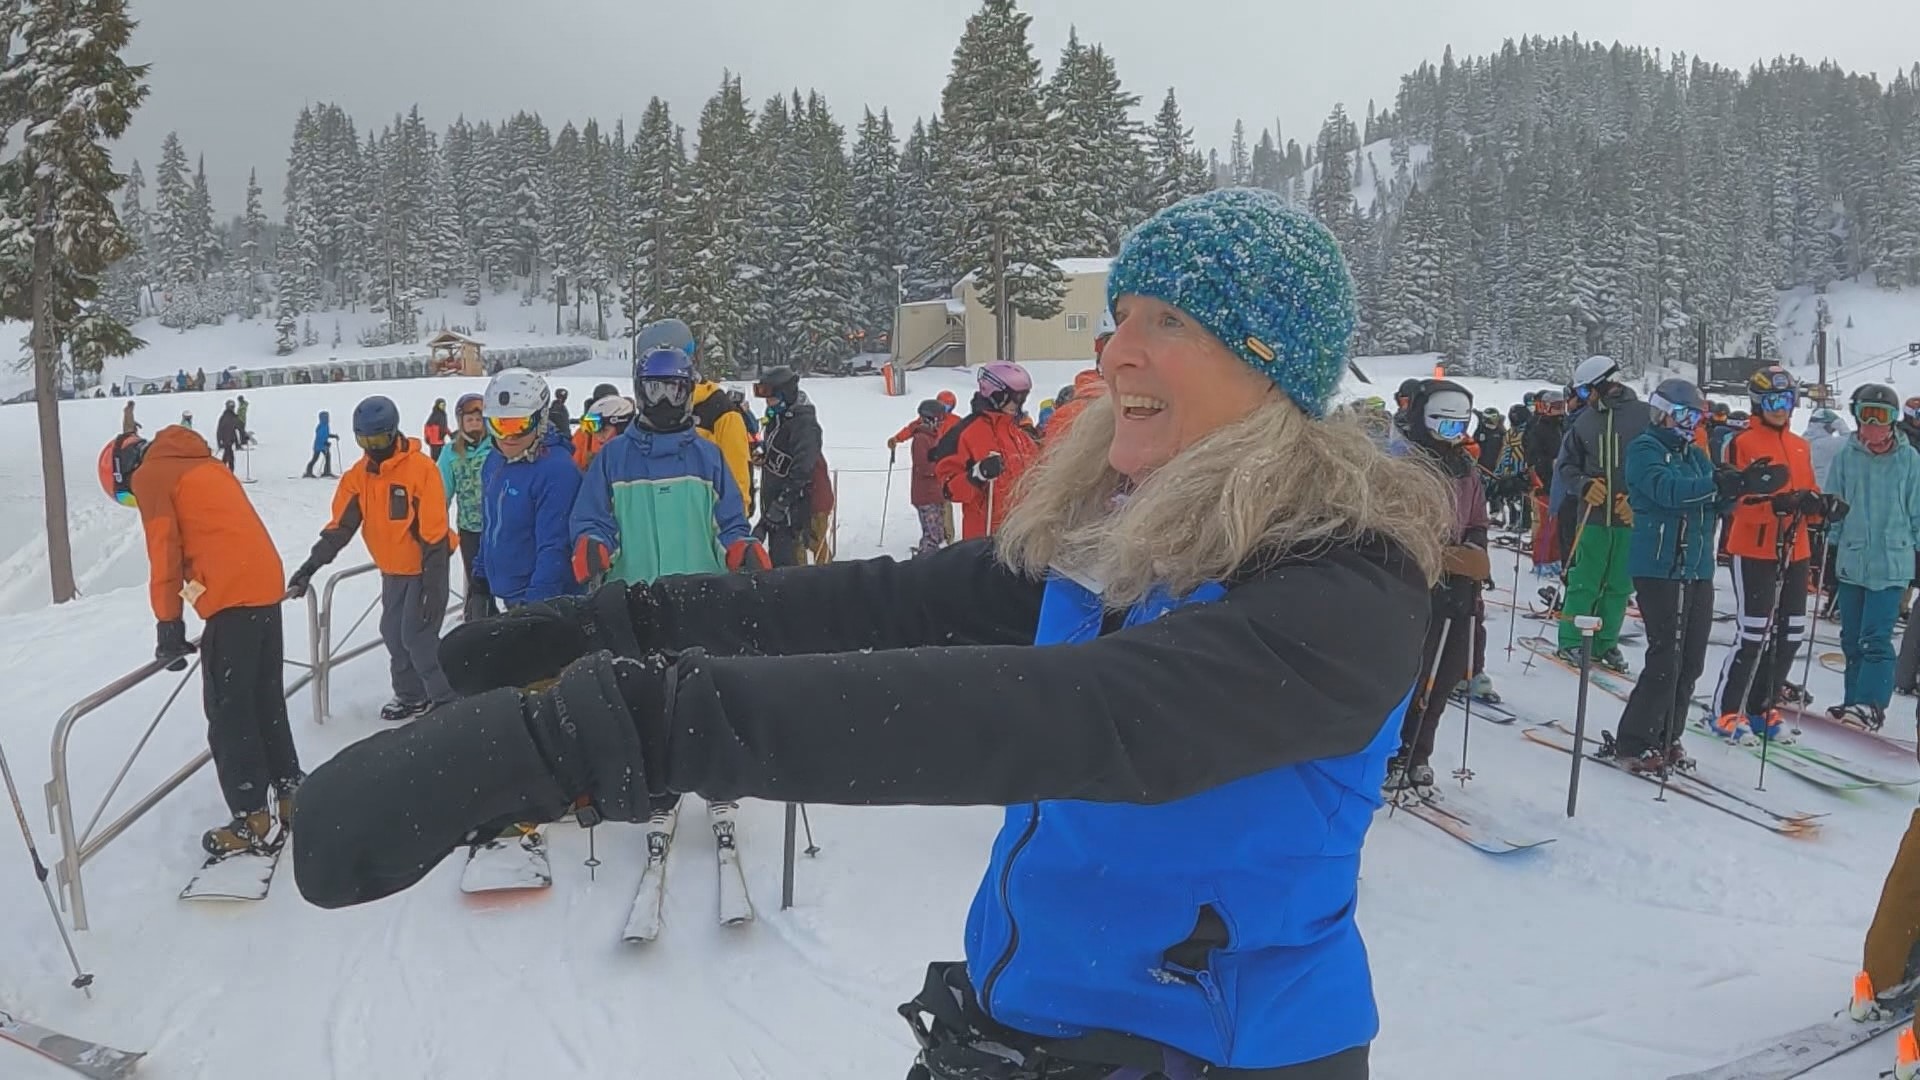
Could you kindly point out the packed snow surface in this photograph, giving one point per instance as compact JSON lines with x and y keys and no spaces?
{"x":1651,"y":938}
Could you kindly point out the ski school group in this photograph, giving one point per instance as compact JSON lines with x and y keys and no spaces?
{"x":1147,"y":595}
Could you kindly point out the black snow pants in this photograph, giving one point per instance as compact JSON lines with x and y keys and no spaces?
{"x":246,"y":703}
{"x":1763,"y":666}
{"x":1423,"y":713}
{"x":1656,"y":712}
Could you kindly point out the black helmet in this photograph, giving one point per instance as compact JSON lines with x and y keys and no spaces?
{"x":604,"y":390}
{"x":932,"y":410}
{"x":777,"y":382}
{"x":1407,"y":389}
{"x":1875,"y":394}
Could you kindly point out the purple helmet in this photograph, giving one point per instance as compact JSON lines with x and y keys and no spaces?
{"x":1003,"y":377}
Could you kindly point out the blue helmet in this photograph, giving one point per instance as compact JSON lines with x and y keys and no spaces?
{"x":376,"y":416}
{"x":666,"y":334}
{"x":663,"y":390}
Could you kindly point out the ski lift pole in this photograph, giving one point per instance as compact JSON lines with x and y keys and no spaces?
{"x":82,"y":981}
{"x":1586,"y":624}
{"x":886,"y":495}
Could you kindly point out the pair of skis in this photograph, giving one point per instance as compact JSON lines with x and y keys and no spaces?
{"x":648,"y":915}
{"x":1803,"y":1049}
{"x":97,"y":1060}
{"x":1465,"y":825}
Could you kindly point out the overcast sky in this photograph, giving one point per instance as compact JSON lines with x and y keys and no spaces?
{"x":231,"y":75}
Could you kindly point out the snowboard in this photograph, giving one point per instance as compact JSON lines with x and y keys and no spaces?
{"x":245,"y":875}
{"x":86,"y":1058}
{"x":516,"y":861}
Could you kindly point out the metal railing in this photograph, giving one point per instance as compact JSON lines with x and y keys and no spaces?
{"x":77,"y":846}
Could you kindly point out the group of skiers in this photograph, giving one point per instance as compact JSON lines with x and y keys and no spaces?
{"x":976,"y":461}
{"x":655,"y":484}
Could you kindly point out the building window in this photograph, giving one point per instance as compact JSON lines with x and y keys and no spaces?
{"x":1077,"y":324}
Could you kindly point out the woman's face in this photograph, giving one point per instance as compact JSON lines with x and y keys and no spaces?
{"x":1173,"y":384}
{"x":471,"y":423}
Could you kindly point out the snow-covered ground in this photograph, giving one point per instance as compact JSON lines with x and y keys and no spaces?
{"x":1651,"y":938}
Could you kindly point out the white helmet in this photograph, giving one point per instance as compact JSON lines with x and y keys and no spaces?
{"x":1593,"y":370}
{"x":516,"y":393}
{"x":614,"y":409}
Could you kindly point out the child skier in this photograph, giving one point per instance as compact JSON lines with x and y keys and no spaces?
{"x":982,"y":457}
{"x":393,"y":492}
{"x":207,"y":547}
{"x":323,"y":440}
{"x":460,"y":466}
{"x":924,"y":491}
{"x":528,"y":486}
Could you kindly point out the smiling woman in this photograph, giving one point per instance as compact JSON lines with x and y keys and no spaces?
{"x":1198,"y":628}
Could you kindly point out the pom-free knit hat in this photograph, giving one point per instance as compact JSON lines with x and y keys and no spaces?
{"x":1264,"y":278}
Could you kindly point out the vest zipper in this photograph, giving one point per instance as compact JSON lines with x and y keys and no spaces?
{"x":1006,"y":903}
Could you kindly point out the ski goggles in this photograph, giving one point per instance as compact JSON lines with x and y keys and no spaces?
{"x":1452,"y":429}
{"x":674,"y":393}
{"x":592,"y":423}
{"x":1777,"y":400}
{"x":378,"y":441}
{"x":1872,"y":412}
{"x":511,"y":427}
{"x":1686,"y":417}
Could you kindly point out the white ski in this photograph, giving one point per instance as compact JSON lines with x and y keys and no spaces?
{"x":736,"y":907}
{"x":86,"y":1058}
{"x":516,"y":860}
{"x":643,"y":922}
{"x":244,"y":875}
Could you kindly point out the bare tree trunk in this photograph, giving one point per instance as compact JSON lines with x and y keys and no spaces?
{"x":1002,"y":308}
{"x":46,"y":369}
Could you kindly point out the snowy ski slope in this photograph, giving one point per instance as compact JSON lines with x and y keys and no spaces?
{"x":1651,"y":938}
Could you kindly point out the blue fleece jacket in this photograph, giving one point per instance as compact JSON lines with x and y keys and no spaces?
{"x":525,"y":547}
{"x":663,"y":502}
{"x":322,"y":434}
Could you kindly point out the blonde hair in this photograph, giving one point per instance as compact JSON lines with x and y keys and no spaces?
{"x":1274,"y":483}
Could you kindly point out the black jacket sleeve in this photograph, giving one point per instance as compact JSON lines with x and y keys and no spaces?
{"x":957,"y":596}
{"x":804,"y":455}
{"x":1303,"y":661}
{"x":338,"y":536}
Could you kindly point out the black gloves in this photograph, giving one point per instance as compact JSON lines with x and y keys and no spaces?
{"x":1728,"y":483}
{"x":297,"y":584}
{"x":173,"y":644}
{"x":1834,"y":508}
{"x":1456,"y":597}
{"x":989,"y":468}
{"x":434,"y":560}
{"x":479,"y":602}
{"x":777,"y":515}
{"x":1762,"y":477}
{"x":531,"y":644}
{"x":478,"y":763}
{"x":1798,"y":502}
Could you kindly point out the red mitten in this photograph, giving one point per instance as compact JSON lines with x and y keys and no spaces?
{"x":743,"y":555}
{"x":590,"y":559}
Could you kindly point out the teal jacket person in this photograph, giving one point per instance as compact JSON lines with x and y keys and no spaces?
{"x":1671,"y":489}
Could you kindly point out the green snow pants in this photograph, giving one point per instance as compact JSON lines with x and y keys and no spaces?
{"x":1597,"y":584}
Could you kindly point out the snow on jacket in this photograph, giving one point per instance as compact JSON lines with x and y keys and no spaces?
{"x":1875,"y":542}
{"x":1670,"y":487}
{"x":1595,"y":448}
{"x":322,"y":434}
{"x":526,"y":542}
{"x":201,"y":528}
{"x":663,"y":503}
{"x":460,"y":477}
{"x":967,"y":444}
{"x":1754,"y":530}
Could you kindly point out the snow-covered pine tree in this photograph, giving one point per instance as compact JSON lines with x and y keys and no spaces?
{"x":825,"y":287}
{"x":1097,"y":159}
{"x":875,"y":178}
{"x":922,"y":232}
{"x":714,"y":229}
{"x":1000,"y":221}
{"x":174,"y":240}
{"x":209,"y":249}
{"x":563,"y":229}
{"x":253,"y":226}
{"x":1239,"y":159}
{"x":66,"y":93}
{"x":655,"y":210}
{"x":1173,"y":169}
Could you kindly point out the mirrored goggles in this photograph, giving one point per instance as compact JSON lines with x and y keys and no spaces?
{"x":1778,"y":401}
{"x":1686,"y":417}
{"x":511,"y":427}
{"x":1870,"y":412}
{"x":670,"y":392}
{"x":1451,"y":428}
{"x":380,"y":441}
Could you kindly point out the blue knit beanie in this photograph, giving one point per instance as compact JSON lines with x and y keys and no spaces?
{"x":1265,"y":279}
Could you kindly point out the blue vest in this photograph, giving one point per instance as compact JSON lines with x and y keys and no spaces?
{"x":1081,"y":902}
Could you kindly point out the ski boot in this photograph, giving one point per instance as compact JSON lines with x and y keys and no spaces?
{"x":1420,"y":781}
{"x":400,"y":709}
{"x":1733,"y":728}
{"x":1768,"y":725}
{"x":1793,"y":694}
{"x":1649,"y":762}
{"x":1614,"y":660}
{"x":1867,"y":717}
{"x":1569,"y":657}
{"x":1395,"y":784}
{"x":1678,"y":760}
{"x":249,"y":832}
{"x":1481,"y":689}
{"x":283,"y":792}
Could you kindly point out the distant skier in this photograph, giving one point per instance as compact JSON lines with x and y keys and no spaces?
{"x":240,"y":412}
{"x":557,"y":413}
{"x":528,"y":484}
{"x":1541,"y":445}
{"x":1437,"y":424}
{"x":227,"y":434}
{"x":207,"y":547}
{"x":790,"y":467}
{"x":323,"y":440}
{"x":924,"y":486}
{"x":392,"y":495}
{"x":460,"y":467}
{"x":435,"y":431}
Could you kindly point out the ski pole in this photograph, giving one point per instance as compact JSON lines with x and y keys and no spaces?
{"x":1586,"y":624}
{"x":1813,"y":617}
{"x":1419,"y":706}
{"x":82,"y":981}
{"x":886,"y":494}
{"x":1464,"y":774}
{"x":1788,"y":526}
{"x":812,"y":848}
{"x":990,"y":486}
{"x":1513,"y":614}
{"x":1678,"y":706}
